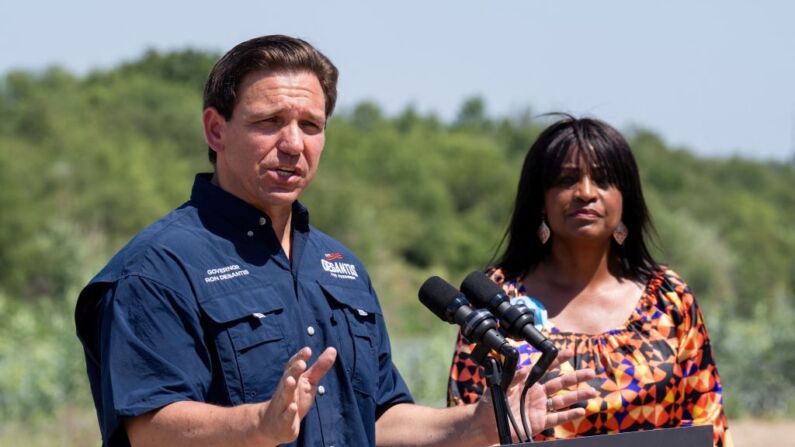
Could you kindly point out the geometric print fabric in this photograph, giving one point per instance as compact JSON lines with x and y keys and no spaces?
{"x":656,"y":370}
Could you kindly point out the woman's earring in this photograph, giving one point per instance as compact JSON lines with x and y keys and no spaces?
{"x":620,"y":233}
{"x":543,"y":231}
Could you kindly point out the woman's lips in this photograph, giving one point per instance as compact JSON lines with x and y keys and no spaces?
{"x":586,"y":214}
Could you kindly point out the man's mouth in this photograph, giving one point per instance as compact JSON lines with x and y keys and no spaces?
{"x":285,"y":172}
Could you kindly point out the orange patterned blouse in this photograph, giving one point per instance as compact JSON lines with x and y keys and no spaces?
{"x":655,"y":371}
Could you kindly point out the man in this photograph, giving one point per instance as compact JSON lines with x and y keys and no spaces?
{"x":200,"y":331}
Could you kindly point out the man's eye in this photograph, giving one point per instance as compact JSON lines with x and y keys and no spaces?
{"x":311,"y":126}
{"x":272,"y":120}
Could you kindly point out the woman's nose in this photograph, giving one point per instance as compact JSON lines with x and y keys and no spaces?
{"x":586,"y":190}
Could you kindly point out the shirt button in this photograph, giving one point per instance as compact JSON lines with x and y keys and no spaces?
{"x":263,"y":221}
{"x":250,"y":233}
{"x":321,"y":390}
{"x":310,"y":330}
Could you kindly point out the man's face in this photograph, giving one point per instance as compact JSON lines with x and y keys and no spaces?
{"x":268,"y":152}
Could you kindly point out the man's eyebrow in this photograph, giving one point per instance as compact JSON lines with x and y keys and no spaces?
{"x":261,"y":114}
{"x":317,"y":117}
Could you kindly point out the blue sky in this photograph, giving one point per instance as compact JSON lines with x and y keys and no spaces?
{"x":716,"y":77}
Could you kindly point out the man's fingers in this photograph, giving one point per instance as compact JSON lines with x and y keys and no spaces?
{"x":563,"y":356}
{"x":285,"y":394}
{"x":561,"y":417}
{"x":290,"y":384}
{"x":520,"y":376}
{"x":295,"y":369}
{"x":322,"y":365}
{"x":297,"y":363}
{"x":572,"y":397}
{"x":285,"y":391}
{"x":302,"y":354}
{"x":568,"y":380}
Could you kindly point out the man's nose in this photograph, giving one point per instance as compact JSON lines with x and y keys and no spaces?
{"x":291,"y":141}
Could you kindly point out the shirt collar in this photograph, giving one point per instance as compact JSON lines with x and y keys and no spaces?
{"x":229,"y":207}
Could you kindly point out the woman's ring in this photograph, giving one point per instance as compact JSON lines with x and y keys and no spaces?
{"x":549,"y":405}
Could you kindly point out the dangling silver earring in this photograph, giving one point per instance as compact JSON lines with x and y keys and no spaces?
{"x":543,"y":231}
{"x":620,"y":233}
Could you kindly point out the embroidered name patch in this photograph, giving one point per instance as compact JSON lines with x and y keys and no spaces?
{"x":337,"y":269}
{"x":224,"y":273}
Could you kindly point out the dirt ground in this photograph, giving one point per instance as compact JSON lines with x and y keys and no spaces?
{"x":761,"y":433}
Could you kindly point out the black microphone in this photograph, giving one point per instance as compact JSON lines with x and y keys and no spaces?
{"x":477,"y":325}
{"x":517,"y":321}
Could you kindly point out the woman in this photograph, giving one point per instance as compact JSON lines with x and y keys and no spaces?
{"x":576,"y":252}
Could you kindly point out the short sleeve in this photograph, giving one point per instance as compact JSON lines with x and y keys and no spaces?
{"x":152,"y":351}
{"x":392,"y":389}
{"x":701,"y":383}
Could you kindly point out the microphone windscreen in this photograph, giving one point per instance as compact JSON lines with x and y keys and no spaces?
{"x":479,"y":289}
{"x":436,"y":293}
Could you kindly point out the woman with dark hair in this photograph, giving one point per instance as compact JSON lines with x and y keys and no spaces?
{"x":577,"y":254}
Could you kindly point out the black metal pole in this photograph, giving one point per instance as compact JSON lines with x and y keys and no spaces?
{"x":493,"y":379}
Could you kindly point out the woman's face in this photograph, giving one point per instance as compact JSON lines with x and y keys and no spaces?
{"x":581,"y":205}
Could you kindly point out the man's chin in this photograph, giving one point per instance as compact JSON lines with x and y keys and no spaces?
{"x":276,"y":200}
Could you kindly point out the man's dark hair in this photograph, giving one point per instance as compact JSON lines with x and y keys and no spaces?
{"x":601,"y":147}
{"x":275,"y":53}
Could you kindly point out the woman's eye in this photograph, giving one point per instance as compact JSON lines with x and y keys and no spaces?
{"x":601,"y":181}
{"x":567,"y":180}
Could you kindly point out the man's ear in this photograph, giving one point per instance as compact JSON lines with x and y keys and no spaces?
{"x":214,"y":126}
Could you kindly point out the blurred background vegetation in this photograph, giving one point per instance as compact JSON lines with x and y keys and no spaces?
{"x":86,"y":162}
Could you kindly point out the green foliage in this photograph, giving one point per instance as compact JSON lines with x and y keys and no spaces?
{"x":87,"y":162}
{"x":41,"y":367}
{"x":424,"y":363}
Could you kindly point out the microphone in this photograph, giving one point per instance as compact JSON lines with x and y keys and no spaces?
{"x":477,"y":325}
{"x":516,"y":321}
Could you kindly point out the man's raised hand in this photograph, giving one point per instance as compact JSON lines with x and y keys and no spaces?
{"x":280,"y":419}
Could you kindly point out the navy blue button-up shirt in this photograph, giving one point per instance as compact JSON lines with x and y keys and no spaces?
{"x":204,"y":305}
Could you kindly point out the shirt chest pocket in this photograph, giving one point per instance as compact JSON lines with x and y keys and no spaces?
{"x":356,"y":314}
{"x":249,"y":331}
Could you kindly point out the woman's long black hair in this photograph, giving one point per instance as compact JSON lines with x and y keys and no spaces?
{"x":602,"y":147}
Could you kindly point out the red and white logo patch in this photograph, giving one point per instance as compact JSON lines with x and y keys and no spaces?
{"x":335,"y":256}
{"x":337,"y":269}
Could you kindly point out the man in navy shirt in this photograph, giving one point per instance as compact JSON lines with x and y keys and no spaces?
{"x":202,"y":330}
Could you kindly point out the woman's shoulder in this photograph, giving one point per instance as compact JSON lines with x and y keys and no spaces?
{"x":666,"y":280}
{"x":670,"y":293}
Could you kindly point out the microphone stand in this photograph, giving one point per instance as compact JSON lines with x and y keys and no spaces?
{"x":498,"y":377}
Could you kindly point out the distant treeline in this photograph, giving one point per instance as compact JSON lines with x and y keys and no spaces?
{"x":86,"y":162}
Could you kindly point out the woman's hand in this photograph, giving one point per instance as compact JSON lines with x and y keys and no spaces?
{"x":564,"y":391}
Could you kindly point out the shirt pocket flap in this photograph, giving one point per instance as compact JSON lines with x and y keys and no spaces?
{"x":251,"y":316}
{"x":360,"y":301}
